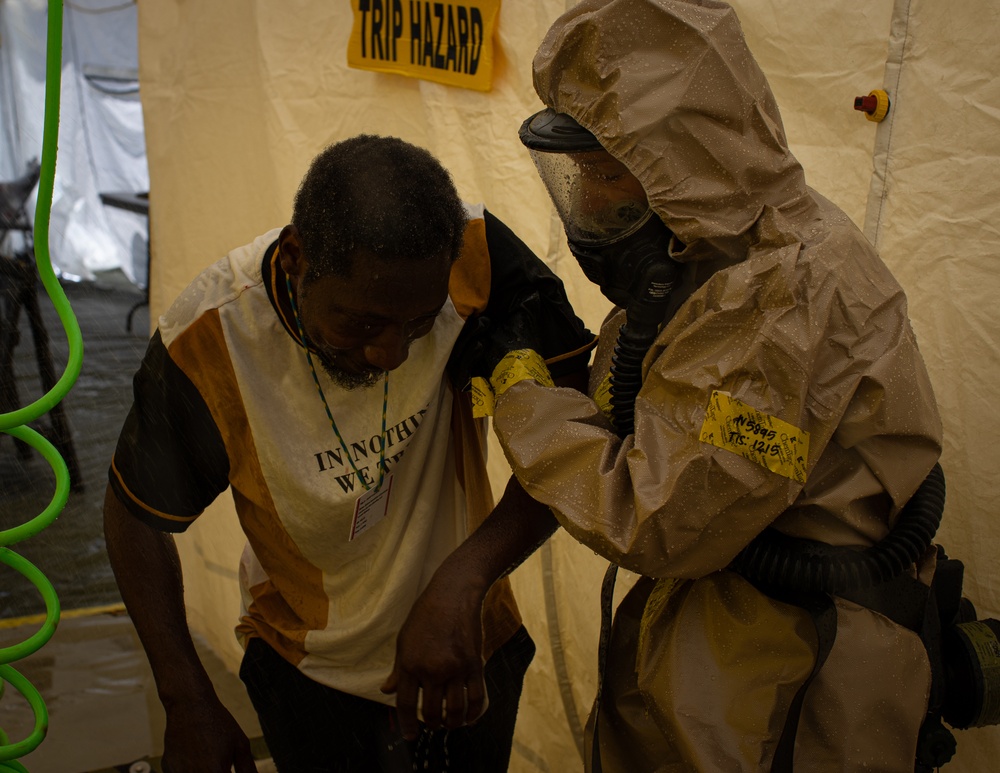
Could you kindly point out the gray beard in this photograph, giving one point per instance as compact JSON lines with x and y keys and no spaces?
{"x":351,"y":381}
{"x":343,"y":378}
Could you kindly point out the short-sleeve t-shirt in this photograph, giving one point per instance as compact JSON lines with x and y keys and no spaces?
{"x":226,"y":398}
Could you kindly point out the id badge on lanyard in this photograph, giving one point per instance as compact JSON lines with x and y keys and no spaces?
{"x":371,"y":507}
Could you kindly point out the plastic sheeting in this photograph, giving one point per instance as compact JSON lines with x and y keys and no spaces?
{"x":101,"y":145}
{"x":239,"y":97}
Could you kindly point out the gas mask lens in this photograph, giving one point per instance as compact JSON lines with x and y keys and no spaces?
{"x":597,"y":198}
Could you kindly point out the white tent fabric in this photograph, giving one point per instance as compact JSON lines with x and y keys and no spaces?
{"x":101,"y":142}
{"x":239,"y":97}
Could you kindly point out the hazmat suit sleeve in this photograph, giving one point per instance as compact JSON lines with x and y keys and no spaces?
{"x":782,"y":334}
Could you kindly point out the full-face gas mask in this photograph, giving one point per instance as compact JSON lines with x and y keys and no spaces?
{"x":619,"y":241}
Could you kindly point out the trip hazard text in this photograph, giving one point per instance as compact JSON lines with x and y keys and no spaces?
{"x":442,"y":36}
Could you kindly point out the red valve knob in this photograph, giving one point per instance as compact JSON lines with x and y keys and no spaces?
{"x":866,"y":104}
{"x":875,"y":106}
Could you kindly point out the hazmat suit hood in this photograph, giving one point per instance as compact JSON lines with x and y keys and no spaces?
{"x":693,"y":119}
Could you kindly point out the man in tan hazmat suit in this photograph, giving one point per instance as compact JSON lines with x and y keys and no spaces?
{"x":783,"y":389}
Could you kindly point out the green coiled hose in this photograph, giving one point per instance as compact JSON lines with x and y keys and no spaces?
{"x":14,"y":423}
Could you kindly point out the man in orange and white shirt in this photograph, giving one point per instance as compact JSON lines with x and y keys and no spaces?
{"x":319,"y":374}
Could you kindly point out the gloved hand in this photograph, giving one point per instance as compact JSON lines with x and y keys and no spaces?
{"x":500,"y":353}
{"x":527,"y":310}
{"x":489,"y":337}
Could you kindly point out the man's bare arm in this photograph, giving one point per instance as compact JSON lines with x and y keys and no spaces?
{"x":200,"y":733}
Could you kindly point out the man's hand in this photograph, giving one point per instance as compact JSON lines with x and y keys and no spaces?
{"x":205,"y":737}
{"x":439,"y":651}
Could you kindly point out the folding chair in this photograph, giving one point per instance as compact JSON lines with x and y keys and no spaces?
{"x":19,"y":277}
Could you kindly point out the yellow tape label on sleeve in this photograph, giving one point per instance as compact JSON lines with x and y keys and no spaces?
{"x":482,"y":398}
{"x":518,"y":366}
{"x":756,"y":436}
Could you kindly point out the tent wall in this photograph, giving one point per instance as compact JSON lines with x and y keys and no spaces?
{"x":238,"y":97}
{"x":101,"y":144}
{"x":932,"y":212}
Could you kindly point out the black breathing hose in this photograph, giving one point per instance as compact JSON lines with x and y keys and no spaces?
{"x":626,"y":375}
{"x":651,"y":276}
{"x":776,"y":560}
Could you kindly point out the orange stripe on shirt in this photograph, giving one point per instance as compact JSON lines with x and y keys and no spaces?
{"x":469,"y":284}
{"x":295,"y":601}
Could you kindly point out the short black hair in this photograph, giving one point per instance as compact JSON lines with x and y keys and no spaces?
{"x":372,"y":196}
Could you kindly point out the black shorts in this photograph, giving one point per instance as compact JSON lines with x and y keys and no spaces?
{"x":312,"y":728}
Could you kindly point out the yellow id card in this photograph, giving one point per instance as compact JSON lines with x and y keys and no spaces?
{"x":446,"y":42}
{"x":758,"y":437}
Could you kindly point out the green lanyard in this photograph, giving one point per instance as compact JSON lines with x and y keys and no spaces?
{"x":385,"y":402}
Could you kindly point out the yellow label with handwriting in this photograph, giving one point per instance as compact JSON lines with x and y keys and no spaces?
{"x":445,"y":42}
{"x":756,"y":436}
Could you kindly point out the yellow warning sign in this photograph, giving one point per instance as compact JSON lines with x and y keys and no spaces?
{"x":446,"y":42}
